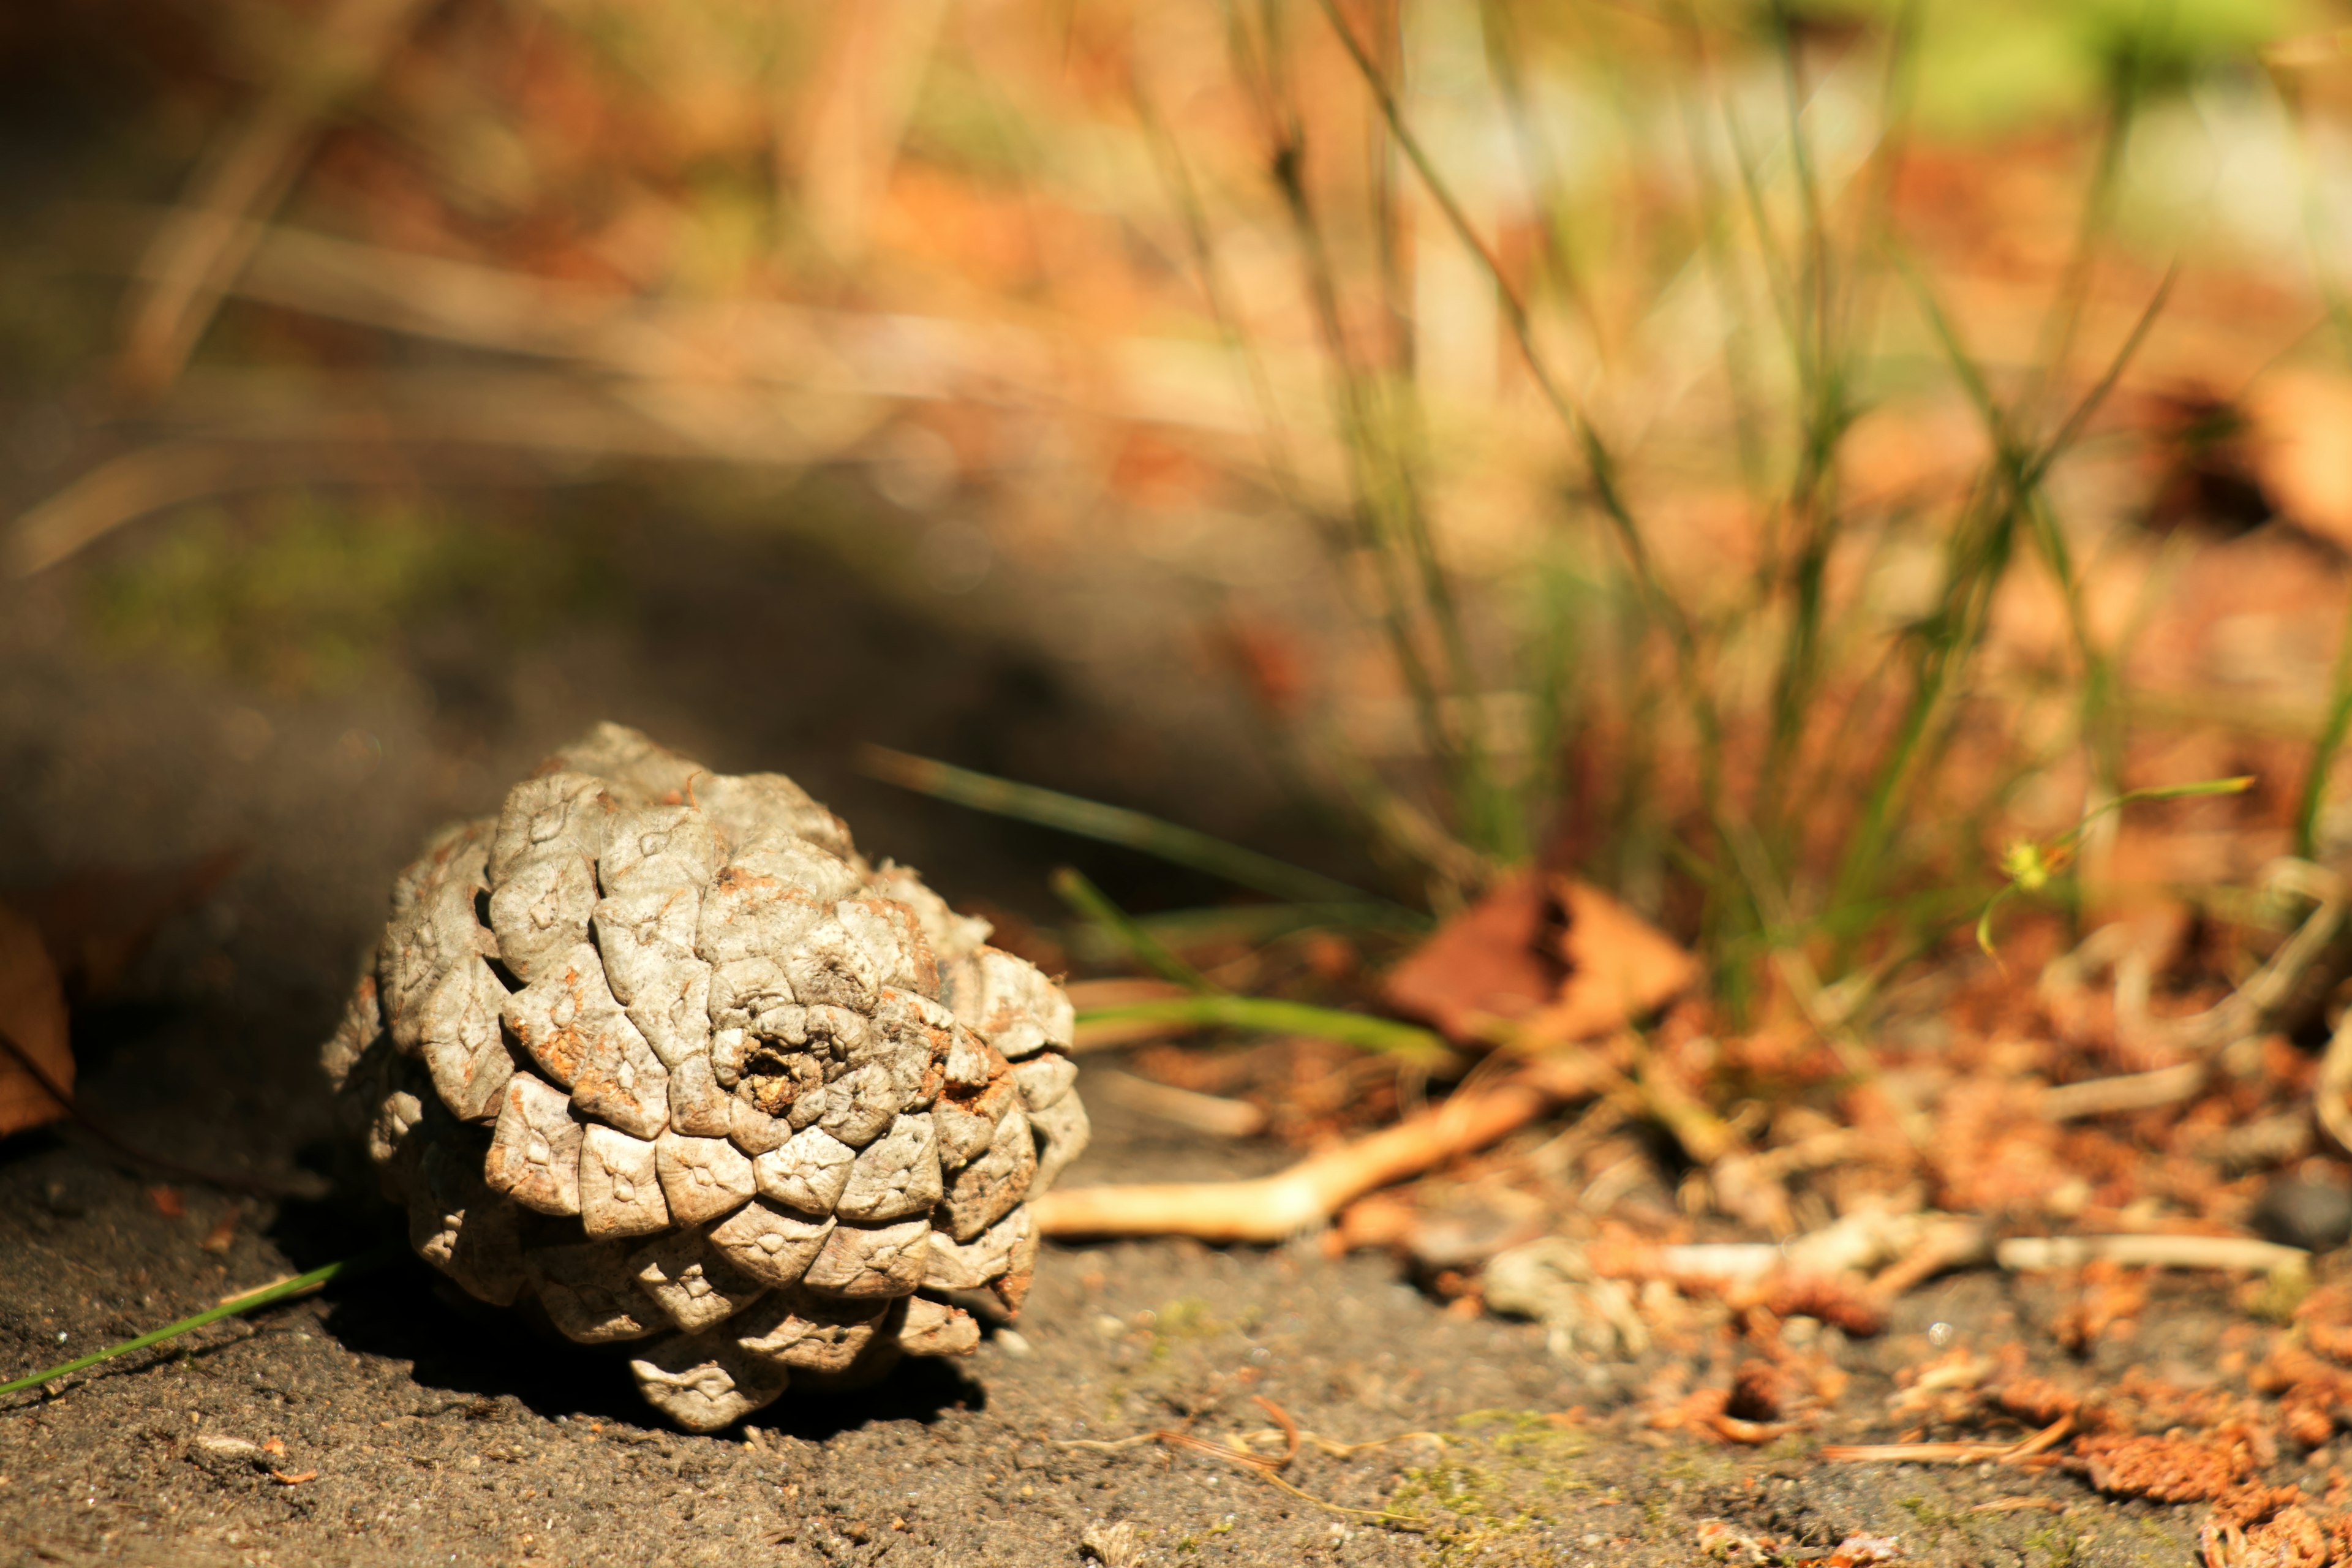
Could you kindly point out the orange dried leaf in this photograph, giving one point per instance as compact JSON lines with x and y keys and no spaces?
{"x":1553,"y":953}
{"x":97,"y":923}
{"x":1492,"y":961}
{"x":33,"y":1017}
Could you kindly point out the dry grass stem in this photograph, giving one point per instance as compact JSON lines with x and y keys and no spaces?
{"x":1210,"y":1113}
{"x":196,"y":256}
{"x":1950,"y":1453}
{"x":2036,"y":1253}
{"x":2126,"y":1091}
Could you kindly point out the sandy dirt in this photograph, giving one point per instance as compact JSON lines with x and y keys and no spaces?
{"x":378,"y":1424}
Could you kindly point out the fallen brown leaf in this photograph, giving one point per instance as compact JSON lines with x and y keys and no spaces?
{"x":97,"y":923}
{"x":1499,"y":958}
{"x":1554,"y":955}
{"x":36,"y":1065}
{"x":1619,"y":966}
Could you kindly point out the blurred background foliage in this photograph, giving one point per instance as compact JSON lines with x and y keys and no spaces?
{"x":1765,"y":457}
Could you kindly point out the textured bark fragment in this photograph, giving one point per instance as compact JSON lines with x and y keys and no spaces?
{"x":813,"y":1333}
{"x":566,"y":813}
{"x":747,"y":916}
{"x":434,"y":929}
{"x":534,"y":1154}
{"x":589,"y":1292}
{"x":896,"y":1176}
{"x":360,"y":1025}
{"x":1045,"y":1079}
{"x":461,"y":1226}
{"x":859,"y":1262}
{"x":841,"y":1035}
{"x":830,"y":966}
{"x":640,"y":772}
{"x":620,"y":1187}
{"x":396,"y":1116}
{"x":659,"y":846}
{"x":753,"y":1131}
{"x":574,"y":1029}
{"x":460,"y":1041}
{"x":971,"y":1063}
{"x":893,"y":941}
{"x":768,"y":1244}
{"x":862,"y":1102}
{"x":371,"y":1078}
{"x":696,"y":1104}
{"x":934,"y":1327}
{"x":702,"y":1178}
{"x":645,"y":934}
{"x":807,"y":1174}
{"x":693,"y":1283}
{"x":751,"y":807}
{"x":951,"y":935}
{"x":748,"y":995}
{"x":541,"y":911}
{"x":1008,"y":1245}
{"x":986,"y":1190}
{"x":780,"y":1080}
{"x":705,"y":1381}
{"x":917,"y":1036}
{"x":968,"y":1122}
{"x":542,"y":869}
{"x":785,"y":856}
{"x":1063,"y":1132}
{"x":1010,"y":1002}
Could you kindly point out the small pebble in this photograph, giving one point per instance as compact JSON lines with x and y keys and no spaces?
{"x":1011,"y":1342}
{"x":2298,"y":1212}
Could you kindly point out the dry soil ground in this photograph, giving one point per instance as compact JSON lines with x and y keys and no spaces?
{"x":428,"y":1435}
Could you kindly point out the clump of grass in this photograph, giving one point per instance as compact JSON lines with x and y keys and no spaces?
{"x":1817,"y":818}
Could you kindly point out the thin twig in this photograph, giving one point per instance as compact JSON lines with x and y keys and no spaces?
{"x":1108,"y":825}
{"x":195,"y":256}
{"x":1949,"y":1452}
{"x":2038,"y":1253}
{"x":1274,"y":1208}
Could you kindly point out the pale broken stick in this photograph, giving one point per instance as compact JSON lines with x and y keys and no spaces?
{"x":2027,"y":1254}
{"x":1277,"y":1207}
{"x":1911,"y":1246}
{"x":1950,"y":1453}
{"x":194,"y":258}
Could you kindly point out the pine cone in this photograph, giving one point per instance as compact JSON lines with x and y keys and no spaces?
{"x":656,"y":1056}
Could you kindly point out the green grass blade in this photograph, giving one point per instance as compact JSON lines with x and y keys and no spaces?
{"x":2323,"y":751}
{"x":1111,"y":824}
{"x":2238,"y":785}
{"x":1091,"y":902}
{"x":1264,"y":1014}
{"x":235,"y":1306}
